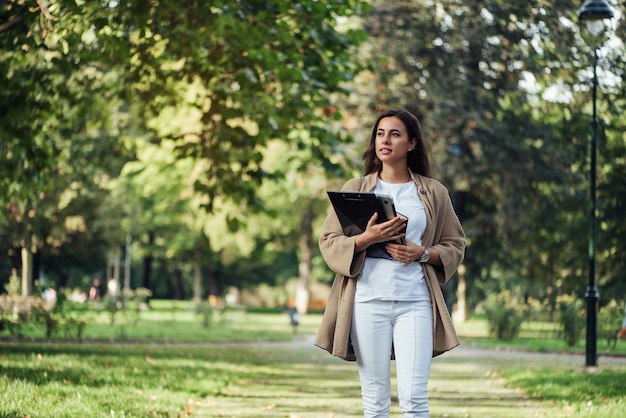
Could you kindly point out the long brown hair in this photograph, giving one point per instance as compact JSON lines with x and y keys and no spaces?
{"x":417,"y":159}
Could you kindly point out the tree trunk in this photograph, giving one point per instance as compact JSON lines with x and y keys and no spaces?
{"x":147,"y":262}
{"x":460,"y":314}
{"x":197,"y":274}
{"x":147,"y":271}
{"x":213,"y":283}
{"x":27,"y":272}
{"x":552,"y":290}
{"x":36,"y":265}
{"x":16,"y":258}
{"x":306,"y":261}
{"x":530,"y":293}
{"x":127,"y":262}
{"x":178,"y":284}
{"x":63,"y":278}
{"x":116,"y":267}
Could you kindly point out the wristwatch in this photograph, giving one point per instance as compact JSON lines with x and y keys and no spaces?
{"x":425,"y":255}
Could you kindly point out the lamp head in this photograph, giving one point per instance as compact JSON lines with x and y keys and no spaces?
{"x":594,"y":13}
{"x":595,"y":10}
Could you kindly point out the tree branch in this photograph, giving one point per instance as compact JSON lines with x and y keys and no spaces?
{"x":13,"y":20}
{"x":44,"y":10}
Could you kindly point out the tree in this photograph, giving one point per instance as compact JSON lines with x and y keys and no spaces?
{"x":59,"y":140}
{"x":611,"y":268}
{"x":244,"y":73}
{"x":478,"y":74}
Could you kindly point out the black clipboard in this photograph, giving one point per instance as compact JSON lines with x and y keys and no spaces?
{"x":354,"y":209}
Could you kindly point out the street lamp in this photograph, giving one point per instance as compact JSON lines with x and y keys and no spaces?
{"x":593,"y":13}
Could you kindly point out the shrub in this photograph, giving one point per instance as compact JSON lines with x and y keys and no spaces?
{"x":610,"y":319}
{"x":205,"y":311}
{"x":571,"y":318}
{"x":505,"y":315}
{"x":62,"y":315}
{"x":538,"y":310}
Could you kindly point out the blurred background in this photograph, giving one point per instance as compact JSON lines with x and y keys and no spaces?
{"x":185,"y":147}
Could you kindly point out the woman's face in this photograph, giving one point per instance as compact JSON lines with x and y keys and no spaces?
{"x":392,"y":141}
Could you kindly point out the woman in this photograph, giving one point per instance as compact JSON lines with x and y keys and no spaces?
{"x":383,"y":308}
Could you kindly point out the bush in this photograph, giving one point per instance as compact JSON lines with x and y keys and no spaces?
{"x":610,"y":319}
{"x":571,"y":318}
{"x":62,"y":315}
{"x":205,"y":311}
{"x":505,"y":315}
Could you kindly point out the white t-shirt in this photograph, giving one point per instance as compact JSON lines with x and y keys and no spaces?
{"x":384,"y":279}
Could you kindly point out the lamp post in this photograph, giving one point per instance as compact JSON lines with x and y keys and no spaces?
{"x":593,"y":13}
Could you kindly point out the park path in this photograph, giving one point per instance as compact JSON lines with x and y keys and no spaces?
{"x":312,"y":384}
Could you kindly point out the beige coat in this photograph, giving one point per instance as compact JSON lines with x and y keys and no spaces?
{"x":443,"y":232}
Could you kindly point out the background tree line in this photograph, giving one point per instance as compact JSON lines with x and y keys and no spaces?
{"x":206,"y":133}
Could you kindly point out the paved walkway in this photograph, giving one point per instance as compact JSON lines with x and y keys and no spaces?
{"x":312,"y":384}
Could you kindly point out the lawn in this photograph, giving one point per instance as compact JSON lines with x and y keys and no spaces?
{"x":169,"y":320}
{"x":165,"y":363}
{"x":534,"y":336}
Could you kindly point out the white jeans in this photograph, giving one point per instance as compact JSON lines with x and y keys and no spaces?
{"x":409,"y":326}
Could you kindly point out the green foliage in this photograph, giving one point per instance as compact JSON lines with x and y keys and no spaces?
{"x":610,"y":317}
{"x":13,"y":315}
{"x":245,"y":108}
{"x":166,"y":320}
{"x":129,"y":303}
{"x":533,"y":336}
{"x":238,"y":77}
{"x":571,"y":317}
{"x":505,"y":314}
{"x":205,"y":311}
{"x":14,"y":286}
{"x":216,"y":81}
{"x":538,"y":310}
{"x":502,"y":92}
{"x":22,"y":316}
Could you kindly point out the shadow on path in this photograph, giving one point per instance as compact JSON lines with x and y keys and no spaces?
{"x":311,"y":384}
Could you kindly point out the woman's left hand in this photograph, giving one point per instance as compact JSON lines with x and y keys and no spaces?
{"x":405,"y":253}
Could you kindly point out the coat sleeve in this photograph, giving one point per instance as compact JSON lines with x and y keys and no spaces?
{"x":338,"y":249}
{"x":449,"y":238}
{"x":333,"y":334}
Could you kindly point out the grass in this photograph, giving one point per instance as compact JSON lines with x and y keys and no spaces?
{"x":166,"y":364}
{"x":598,"y":395}
{"x":536,"y":336}
{"x":557,"y":377}
{"x":179,"y":321}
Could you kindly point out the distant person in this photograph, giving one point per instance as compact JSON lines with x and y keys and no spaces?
{"x":294,"y":317}
{"x":95,"y":292}
{"x":113,"y":289}
{"x":50,"y":296}
{"x":381,"y":308}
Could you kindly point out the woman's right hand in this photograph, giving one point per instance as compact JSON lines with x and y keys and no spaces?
{"x":380,"y":232}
